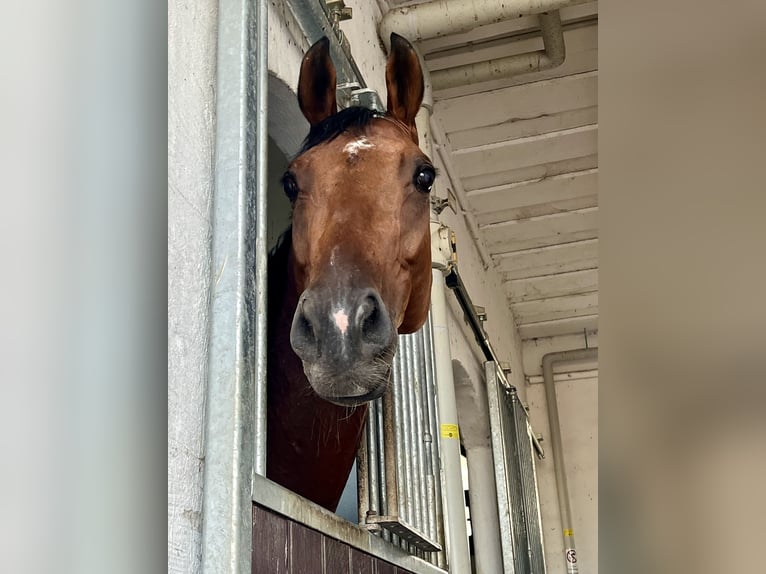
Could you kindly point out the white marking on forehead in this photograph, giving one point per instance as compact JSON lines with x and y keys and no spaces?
{"x":352,"y":148}
{"x":341,"y":320}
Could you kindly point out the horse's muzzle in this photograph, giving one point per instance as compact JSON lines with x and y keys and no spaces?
{"x":346,"y":343}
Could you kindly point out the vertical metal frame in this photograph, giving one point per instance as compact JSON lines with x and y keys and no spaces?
{"x":235,"y":416}
{"x":515,"y":476}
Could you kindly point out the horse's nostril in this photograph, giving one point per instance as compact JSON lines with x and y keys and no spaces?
{"x":372,"y":321}
{"x":303,"y":337}
{"x":370,"y":313}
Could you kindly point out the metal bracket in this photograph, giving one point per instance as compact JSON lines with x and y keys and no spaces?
{"x":352,"y":94}
{"x":344,"y":93}
{"x":338,"y":11}
{"x":367,"y":98}
{"x":403,"y":530}
{"x":443,"y":247}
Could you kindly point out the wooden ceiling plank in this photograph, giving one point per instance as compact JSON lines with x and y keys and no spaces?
{"x":523,"y":127}
{"x":509,"y":176}
{"x":555,"y":308}
{"x":518,"y":103}
{"x":557,"y":285}
{"x":534,"y":192}
{"x":527,"y":152}
{"x":547,"y":227}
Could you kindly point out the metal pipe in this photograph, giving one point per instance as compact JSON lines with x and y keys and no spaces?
{"x":485,"y":522}
{"x":565,"y":509}
{"x":454,"y":499}
{"x":315,"y":22}
{"x":445,"y":17}
{"x":582,"y":375}
{"x":551,"y":56}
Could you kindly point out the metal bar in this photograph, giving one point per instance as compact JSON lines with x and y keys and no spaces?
{"x":413,"y":437}
{"x":433,"y":424}
{"x":373,"y":455}
{"x":380,"y":464}
{"x":501,"y":472}
{"x":424,"y":436}
{"x":417,"y":381}
{"x":230,"y":440}
{"x":455,"y":282}
{"x":389,"y":442}
{"x":402,"y":425}
{"x":364,"y":491}
{"x":261,"y":233}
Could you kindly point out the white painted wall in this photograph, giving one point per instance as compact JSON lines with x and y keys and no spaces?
{"x":578,"y":413}
{"x":191,"y":128}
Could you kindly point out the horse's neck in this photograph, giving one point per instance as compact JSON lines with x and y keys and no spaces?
{"x":312,"y":443}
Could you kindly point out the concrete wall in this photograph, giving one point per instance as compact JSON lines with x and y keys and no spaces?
{"x":578,"y":414}
{"x":191,"y":129}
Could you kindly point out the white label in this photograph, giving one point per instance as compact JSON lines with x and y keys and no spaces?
{"x":571,"y":555}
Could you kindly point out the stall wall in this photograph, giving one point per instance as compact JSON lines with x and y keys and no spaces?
{"x":578,"y":414}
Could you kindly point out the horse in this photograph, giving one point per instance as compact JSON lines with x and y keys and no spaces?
{"x":353,"y":270}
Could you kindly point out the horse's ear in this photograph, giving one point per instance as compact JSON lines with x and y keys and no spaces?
{"x":316,"y":83}
{"x":404,"y":82}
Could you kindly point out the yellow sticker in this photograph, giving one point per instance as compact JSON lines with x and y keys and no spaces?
{"x":568,"y":532}
{"x":450,"y":431}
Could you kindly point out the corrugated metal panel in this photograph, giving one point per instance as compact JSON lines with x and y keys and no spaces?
{"x":515,"y":476}
{"x":400,"y":484}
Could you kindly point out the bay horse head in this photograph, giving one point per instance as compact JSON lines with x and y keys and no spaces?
{"x":361,"y":251}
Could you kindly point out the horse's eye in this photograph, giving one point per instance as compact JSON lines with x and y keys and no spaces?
{"x":424,"y":178}
{"x":290,"y":186}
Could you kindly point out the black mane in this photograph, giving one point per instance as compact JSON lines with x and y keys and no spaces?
{"x":278,"y":260}
{"x":355,"y":117}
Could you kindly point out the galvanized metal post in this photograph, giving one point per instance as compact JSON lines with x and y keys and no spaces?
{"x":236,"y":348}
